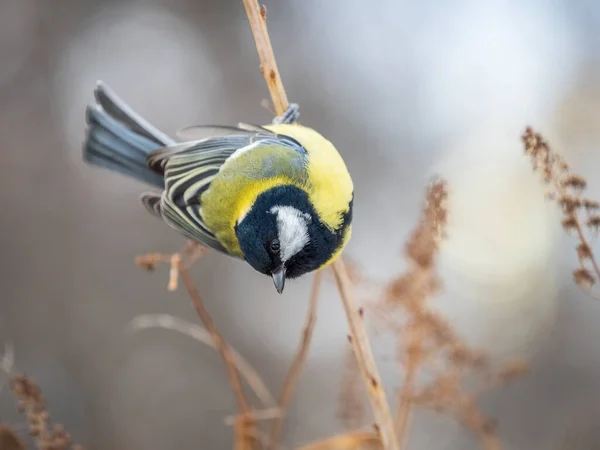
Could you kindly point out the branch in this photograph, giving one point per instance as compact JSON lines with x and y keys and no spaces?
{"x":169,"y":322}
{"x":349,"y":441}
{"x":257,"y":16}
{"x":299,"y":360}
{"x":245,"y":431}
{"x":360,"y":342}
{"x":364,"y":356}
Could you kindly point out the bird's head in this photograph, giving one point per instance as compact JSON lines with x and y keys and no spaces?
{"x":282,"y":236}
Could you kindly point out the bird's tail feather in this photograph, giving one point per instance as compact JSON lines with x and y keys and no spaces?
{"x":119,"y":139}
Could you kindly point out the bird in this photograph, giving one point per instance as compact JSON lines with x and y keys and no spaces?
{"x":278,"y":196}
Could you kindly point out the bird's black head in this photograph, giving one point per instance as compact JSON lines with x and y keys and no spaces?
{"x":282,"y":235}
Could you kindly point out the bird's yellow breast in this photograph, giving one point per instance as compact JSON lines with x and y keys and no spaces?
{"x":329,"y":184}
{"x":236,"y":187}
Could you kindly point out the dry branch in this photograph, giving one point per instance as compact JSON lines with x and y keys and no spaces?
{"x":245,"y":429}
{"x":360,"y":341}
{"x":257,"y":16}
{"x":364,"y":356}
{"x":169,"y":322}
{"x":9,"y":439}
{"x":356,"y":440}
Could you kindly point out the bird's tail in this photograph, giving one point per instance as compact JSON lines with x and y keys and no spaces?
{"x":119,"y":139}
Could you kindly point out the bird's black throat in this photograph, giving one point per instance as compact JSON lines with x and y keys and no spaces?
{"x":259,"y":227}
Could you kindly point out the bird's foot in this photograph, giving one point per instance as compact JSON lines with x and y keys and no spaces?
{"x":291,"y":115}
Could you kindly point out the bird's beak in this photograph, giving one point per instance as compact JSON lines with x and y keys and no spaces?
{"x":279,"y":278}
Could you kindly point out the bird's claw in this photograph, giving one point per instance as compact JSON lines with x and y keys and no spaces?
{"x":291,"y":115}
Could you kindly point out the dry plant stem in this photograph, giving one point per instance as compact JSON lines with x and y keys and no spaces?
{"x":265,"y":414}
{"x":568,"y":190}
{"x":350,"y":441}
{"x":360,"y":343}
{"x":580,"y":234}
{"x":241,"y":441}
{"x":490,"y":441}
{"x":190,"y":253}
{"x":405,"y":404}
{"x":194,"y":331}
{"x":295,"y":369}
{"x":366,"y":361}
{"x":257,"y":16}
{"x":9,"y":439}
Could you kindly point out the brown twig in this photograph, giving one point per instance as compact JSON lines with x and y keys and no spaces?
{"x":364,"y":356}
{"x":265,"y":414}
{"x":360,"y":341}
{"x":295,"y":369}
{"x":354,"y":440}
{"x":169,"y":322}
{"x":351,"y":408}
{"x":245,"y":428}
{"x":405,"y":401}
{"x":9,"y":439}
{"x":189,"y":254}
{"x":257,"y":16}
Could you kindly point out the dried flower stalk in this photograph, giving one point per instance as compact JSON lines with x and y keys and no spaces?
{"x":360,"y":342}
{"x":351,"y":409}
{"x":364,"y":356}
{"x":189,"y":254}
{"x":427,"y":342}
{"x":356,"y":440}
{"x":32,"y":404}
{"x":9,"y":439}
{"x":245,"y":429}
{"x":257,"y":16}
{"x":580,"y":213}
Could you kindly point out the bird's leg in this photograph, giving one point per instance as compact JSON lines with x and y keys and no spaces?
{"x":291,"y":115}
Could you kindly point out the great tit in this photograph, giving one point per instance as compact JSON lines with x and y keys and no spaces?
{"x":278,"y":196}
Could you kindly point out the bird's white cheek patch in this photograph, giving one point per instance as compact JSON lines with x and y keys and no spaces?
{"x":292,"y":230}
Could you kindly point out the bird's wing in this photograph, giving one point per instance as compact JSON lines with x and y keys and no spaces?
{"x":189,"y":169}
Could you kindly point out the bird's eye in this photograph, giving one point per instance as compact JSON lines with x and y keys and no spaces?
{"x":274,"y":245}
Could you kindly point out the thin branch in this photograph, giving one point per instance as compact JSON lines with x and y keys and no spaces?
{"x":360,"y":342}
{"x":405,"y":403}
{"x":295,"y":370}
{"x":349,"y":441}
{"x":245,"y":428}
{"x":9,"y":439}
{"x":364,"y":356}
{"x":257,"y":16}
{"x":265,"y":414}
{"x":169,"y":322}
{"x":189,"y":254}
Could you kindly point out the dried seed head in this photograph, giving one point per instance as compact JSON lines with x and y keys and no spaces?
{"x":593,"y":223}
{"x":569,"y":223}
{"x":574,"y":181}
{"x":569,"y":203}
{"x":583,"y":252}
{"x":590,"y":205}
{"x":583,"y":277}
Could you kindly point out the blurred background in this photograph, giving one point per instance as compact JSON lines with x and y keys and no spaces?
{"x":405,"y":90}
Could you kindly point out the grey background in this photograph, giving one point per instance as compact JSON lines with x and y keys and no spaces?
{"x":404,"y":90}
